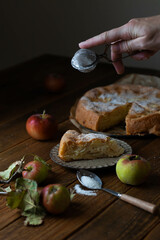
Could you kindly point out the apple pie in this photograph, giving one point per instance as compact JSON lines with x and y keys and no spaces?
{"x":104,"y":107}
{"x":74,"y":146}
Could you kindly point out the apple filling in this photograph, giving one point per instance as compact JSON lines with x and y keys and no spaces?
{"x":74,"y":146}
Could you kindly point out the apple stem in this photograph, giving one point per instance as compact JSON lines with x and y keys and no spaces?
{"x":53,"y":190}
{"x":24,"y":169}
{"x":43,"y":114}
{"x":133,"y":158}
{"x":27,"y":169}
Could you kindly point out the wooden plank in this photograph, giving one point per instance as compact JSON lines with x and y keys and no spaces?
{"x":154,"y":234}
{"x":7,"y":215}
{"x":119,"y":221}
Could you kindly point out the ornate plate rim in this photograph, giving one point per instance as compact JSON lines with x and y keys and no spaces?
{"x":89,"y":164}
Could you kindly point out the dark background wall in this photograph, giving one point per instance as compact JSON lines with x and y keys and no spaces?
{"x":30,"y":28}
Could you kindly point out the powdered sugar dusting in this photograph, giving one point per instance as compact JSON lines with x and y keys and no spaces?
{"x":108,"y":101}
{"x":91,"y":136}
{"x":136,"y":108}
{"x":140,"y":79}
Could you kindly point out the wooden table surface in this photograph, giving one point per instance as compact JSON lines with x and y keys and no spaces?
{"x":104,"y":216}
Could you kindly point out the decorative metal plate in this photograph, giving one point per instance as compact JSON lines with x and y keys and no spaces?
{"x":89,"y":164}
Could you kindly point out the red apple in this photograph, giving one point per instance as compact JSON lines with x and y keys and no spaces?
{"x":54,"y":82}
{"x":132,"y":169}
{"x":55,"y":198}
{"x":41,"y":126}
{"x":35,"y":170}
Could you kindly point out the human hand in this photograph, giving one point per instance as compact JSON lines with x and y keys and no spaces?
{"x":140,"y":38}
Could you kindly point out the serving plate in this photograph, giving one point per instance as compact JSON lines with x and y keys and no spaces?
{"x":89,"y":164}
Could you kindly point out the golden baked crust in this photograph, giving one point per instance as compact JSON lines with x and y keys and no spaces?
{"x":103,"y":107}
{"x":141,"y":120}
{"x":76,"y":146}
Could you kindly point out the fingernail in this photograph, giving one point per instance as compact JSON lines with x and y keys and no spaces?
{"x":81,"y":43}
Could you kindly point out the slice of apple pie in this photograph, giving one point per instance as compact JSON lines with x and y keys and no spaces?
{"x":76,"y":146}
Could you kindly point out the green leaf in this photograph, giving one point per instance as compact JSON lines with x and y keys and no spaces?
{"x":72,"y":194}
{"x":31,"y":197}
{"x":24,"y":183}
{"x":5,"y":190}
{"x":37,"y":158}
{"x":15,"y":198}
{"x":30,"y":201}
{"x":27,"y":198}
{"x":13,"y":169}
{"x":33,"y":219}
{"x":8,"y":189}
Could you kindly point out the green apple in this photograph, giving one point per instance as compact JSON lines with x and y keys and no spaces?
{"x":132,"y":169}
